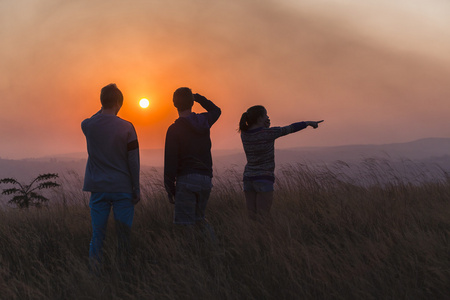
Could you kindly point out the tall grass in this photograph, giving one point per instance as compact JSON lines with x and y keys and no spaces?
{"x":328,"y":238}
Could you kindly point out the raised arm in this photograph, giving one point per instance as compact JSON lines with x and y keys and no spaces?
{"x":277,"y":132}
{"x":212,"y":109}
{"x":313,"y":124}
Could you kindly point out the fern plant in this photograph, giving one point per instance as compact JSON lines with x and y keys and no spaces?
{"x":26,"y":195}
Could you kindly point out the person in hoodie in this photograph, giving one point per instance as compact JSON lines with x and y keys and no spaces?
{"x":187,"y":158}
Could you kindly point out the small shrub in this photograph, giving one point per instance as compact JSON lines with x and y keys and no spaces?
{"x":26,"y":194}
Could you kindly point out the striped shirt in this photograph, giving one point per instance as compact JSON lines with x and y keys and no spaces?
{"x":259,"y":147}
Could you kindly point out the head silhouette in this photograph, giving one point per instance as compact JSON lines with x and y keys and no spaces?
{"x":183,"y":99}
{"x":110,"y":95}
{"x":251,"y":116}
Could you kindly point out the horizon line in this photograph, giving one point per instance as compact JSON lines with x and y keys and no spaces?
{"x":84,"y":153}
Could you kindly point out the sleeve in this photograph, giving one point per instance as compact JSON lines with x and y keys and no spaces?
{"x":133,"y":159}
{"x":213,"y":111}
{"x":170,"y":162}
{"x":84,"y":123}
{"x":277,"y":132}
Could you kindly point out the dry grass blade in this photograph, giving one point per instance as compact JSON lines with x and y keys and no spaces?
{"x":330,"y":237}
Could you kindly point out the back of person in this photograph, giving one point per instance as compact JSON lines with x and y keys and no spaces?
{"x":112,"y":174}
{"x":258,"y":140}
{"x":194,"y":143}
{"x":259,"y":145}
{"x":188,"y":143}
{"x":107,"y":168}
{"x":187,"y":160}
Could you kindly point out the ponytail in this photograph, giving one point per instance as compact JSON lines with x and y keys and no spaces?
{"x":243,"y":123}
{"x":251,"y":116}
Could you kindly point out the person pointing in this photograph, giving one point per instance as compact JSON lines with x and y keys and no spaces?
{"x":258,"y":140}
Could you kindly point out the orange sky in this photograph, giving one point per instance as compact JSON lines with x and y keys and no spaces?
{"x":377,"y":72}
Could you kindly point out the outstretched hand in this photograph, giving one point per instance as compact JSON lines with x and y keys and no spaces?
{"x":314,"y":124}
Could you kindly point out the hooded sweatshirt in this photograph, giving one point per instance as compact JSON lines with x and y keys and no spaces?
{"x":188,"y":145}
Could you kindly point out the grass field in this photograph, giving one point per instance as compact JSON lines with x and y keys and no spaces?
{"x":327,"y":239}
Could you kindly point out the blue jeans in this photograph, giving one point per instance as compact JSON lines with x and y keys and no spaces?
{"x":258,"y":186}
{"x":123,"y":208}
{"x":191,"y":197}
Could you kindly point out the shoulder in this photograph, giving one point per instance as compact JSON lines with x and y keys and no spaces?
{"x":172,"y":128}
{"x":270,"y":133}
{"x":90,"y":119}
{"x":87,"y":122}
{"x":84,"y":122}
{"x":123,"y":122}
{"x":262,"y":130}
{"x":124,"y":126}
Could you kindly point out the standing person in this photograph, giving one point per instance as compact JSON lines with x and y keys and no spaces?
{"x":258,"y":140}
{"x":187,"y":159}
{"x":112,"y":172}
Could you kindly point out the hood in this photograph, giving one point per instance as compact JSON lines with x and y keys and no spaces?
{"x":197,"y":122}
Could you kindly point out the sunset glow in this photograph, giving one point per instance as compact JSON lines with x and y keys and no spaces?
{"x":362,"y":66}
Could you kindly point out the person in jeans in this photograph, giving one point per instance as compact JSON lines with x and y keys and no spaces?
{"x":187,"y":158}
{"x":112,"y":172}
{"x":258,"y":140}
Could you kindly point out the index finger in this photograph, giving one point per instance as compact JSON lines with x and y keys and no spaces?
{"x":319,"y":121}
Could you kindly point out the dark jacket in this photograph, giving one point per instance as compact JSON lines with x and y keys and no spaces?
{"x":188,"y":145}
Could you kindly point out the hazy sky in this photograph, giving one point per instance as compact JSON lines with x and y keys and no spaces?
{"x":376,"y":71}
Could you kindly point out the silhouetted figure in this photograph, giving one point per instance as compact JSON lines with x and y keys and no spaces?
{"x":112,"y":172}
{"x":258,"y":140}
{"x":187,"y":159}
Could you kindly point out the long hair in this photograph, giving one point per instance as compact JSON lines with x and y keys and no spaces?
{"x":251,"y":116}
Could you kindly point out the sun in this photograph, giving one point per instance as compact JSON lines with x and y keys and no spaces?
{"x":144,"y":103}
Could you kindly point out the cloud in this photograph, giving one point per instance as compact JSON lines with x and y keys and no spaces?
{"x":302,"y":61}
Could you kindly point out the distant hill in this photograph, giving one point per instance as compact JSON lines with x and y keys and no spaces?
{"x":432,"y":150}
{"x":429,"y":151}
{"x":27,"y":169}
